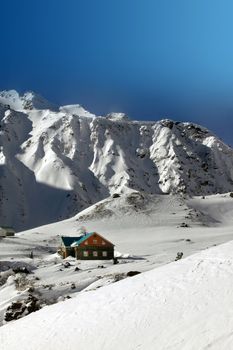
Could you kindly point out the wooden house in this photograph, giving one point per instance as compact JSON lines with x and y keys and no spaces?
{"x":89,"y":246}
{"x":6,"y":231}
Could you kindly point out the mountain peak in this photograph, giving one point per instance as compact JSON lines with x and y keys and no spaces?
{"x":76,"y":109}
{"x":28,"y":101}
{"x":117,"y":116}
{"x":73,"y":159}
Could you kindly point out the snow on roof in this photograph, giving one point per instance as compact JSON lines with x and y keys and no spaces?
{"x":75,"y":241}
{"x":81,"y":239}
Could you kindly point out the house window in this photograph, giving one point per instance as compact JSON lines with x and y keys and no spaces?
{"x":95,"y":241}
{"x":104,"y":253}
{"x":95,"y":253}
{"x":85,"y":253}
{"x":103,"y":243}
{"x":86,"y":242}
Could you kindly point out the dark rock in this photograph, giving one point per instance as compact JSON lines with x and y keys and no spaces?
{"x":183,"y":224}
{"x":66,"y":264}
{"x":115,"y":261}
{"x":21,"y":269}
{"x":179,"y":256}
{"x":73,"y":286}
{"x":21,"y":308}
{"x":16,"y":305}
{"x":167,"y":123}
{"x":204,"y":183}
{"x":204,"y":166}
{"x":132,"y":273}
{"x":32,"y":304}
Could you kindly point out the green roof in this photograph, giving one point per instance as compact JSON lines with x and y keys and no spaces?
{"x":75,"y":241}
{"x":83,"y":238}
{"x":69,"y":240}
{"x":7,"y":227}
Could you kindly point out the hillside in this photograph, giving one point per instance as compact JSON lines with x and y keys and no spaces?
{"x":56,"y":162}
{"x":183,"y":305}
{"x":147,"y":231}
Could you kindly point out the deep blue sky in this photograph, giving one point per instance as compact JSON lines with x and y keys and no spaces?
{"x":149,"y":58}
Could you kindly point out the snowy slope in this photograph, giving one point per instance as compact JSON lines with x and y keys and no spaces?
{"x":28,"y":101}
{"x":146,"y":231}
{"x":184,"y":305}
{"x":146,"y":237}
{"x":57,"y":163}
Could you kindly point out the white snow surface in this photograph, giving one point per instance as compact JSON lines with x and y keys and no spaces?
{"x":76,"y":110}
{"x":183,"y":305}
{"x":56,"y":162}
{"x":140,"y":185}
{"x":29,"y":100}
{"x":176,"y":305}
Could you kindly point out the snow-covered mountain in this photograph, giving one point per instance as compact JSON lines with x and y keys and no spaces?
{"x":29,"y":100}
{"x":56,"y":162}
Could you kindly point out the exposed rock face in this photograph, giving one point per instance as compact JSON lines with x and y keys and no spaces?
{"x":55,"y":163}
{"x":19,"y":309}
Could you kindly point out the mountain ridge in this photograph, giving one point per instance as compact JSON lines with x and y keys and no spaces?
{"x":55,"y":163}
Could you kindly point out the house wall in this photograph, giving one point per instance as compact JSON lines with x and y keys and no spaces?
{"x":6,"y":232}
{"x":95,"y":243}
{"x":2,"y":232}
{"x":79,"y":253}
{"x":67,"y":251}
{"x":10,"y":233}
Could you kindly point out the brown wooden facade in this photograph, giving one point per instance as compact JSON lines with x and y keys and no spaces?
{"x":91,"y":246}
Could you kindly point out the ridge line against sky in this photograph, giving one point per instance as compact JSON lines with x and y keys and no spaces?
{"x":150,"y":59}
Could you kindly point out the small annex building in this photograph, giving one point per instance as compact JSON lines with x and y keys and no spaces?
{"x":6,"y":231}
{"x":89,"y":246}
